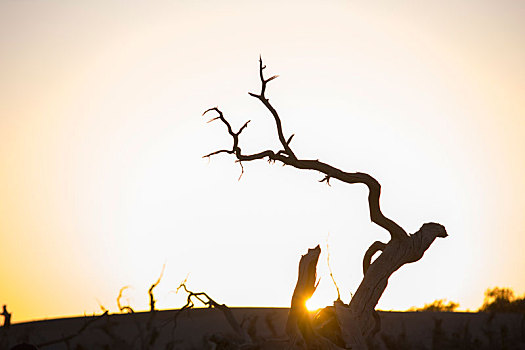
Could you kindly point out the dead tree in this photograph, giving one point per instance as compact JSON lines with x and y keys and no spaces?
{"x":358,"y":320}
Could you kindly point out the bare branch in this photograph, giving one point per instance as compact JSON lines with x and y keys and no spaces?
{"x":122,"y":308}
{"x":243,"y":127}
{"x":287,"y":157}
{"x":209,"y":121}
{"x":330,"y":269}
{"x":242,"y":170}
{"x":210,"y":303}
{"x":150,"y":291}
{"x":326,"y":179}
{"x":221,"y":117}
{"x":235,"y":135}
{"x":102,"y":307}
{"x":374,"y":248}
{"x":217,"y":152}
{"x":261,"y":97}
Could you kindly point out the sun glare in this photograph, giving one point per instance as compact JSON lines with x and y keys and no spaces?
{"x":314,"y":304}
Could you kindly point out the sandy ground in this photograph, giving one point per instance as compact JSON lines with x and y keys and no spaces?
{"x":263,"y":328}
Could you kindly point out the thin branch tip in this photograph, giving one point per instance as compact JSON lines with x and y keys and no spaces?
{"x":326,"y":179}
{"x":212,"y":109}
{"x":243,"y":127}
{"x":272,"y":78}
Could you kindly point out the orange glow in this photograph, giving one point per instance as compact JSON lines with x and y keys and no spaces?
{"x":313,"y":305}
{"x":101,"y":139}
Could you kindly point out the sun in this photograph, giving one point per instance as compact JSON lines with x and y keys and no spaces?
{"x":314,"y":304}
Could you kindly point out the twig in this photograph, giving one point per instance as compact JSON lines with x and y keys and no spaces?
{"x":122,"y":308}
{"x":210,"y":303}
{"x":102,"y":307}
{"x":330,"y":268}
{"x":150,"y":291}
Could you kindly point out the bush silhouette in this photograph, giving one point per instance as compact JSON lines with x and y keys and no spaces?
{"x":502,"y":300}
{"x":438,"y":305}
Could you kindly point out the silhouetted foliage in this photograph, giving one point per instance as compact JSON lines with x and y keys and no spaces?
{"x":440,"y":305}
{"x":502,"y":300}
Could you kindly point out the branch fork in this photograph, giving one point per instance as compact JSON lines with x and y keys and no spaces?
{"x":287,"y":157}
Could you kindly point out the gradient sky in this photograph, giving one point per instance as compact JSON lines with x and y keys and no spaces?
{"x":101,"y":138}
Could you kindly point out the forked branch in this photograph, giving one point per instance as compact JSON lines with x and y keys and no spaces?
{"x":287,"y":157}
{"x":210,"y":303}
{"x":266,"y":102}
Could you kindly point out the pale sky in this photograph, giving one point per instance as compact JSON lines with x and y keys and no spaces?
{"x":101,"y":139}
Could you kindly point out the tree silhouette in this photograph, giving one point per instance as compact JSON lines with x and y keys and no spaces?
{"x":358,"y":320}
{"x":502,"y":300}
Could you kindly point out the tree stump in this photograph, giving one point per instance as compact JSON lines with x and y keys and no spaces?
{"x":352,"y":326}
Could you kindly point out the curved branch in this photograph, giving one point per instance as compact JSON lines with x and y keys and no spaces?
{"x":287,"y":157}
{"x":150,"y":290}
{"x":374,"y":248}
{"x":122,"y":308}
